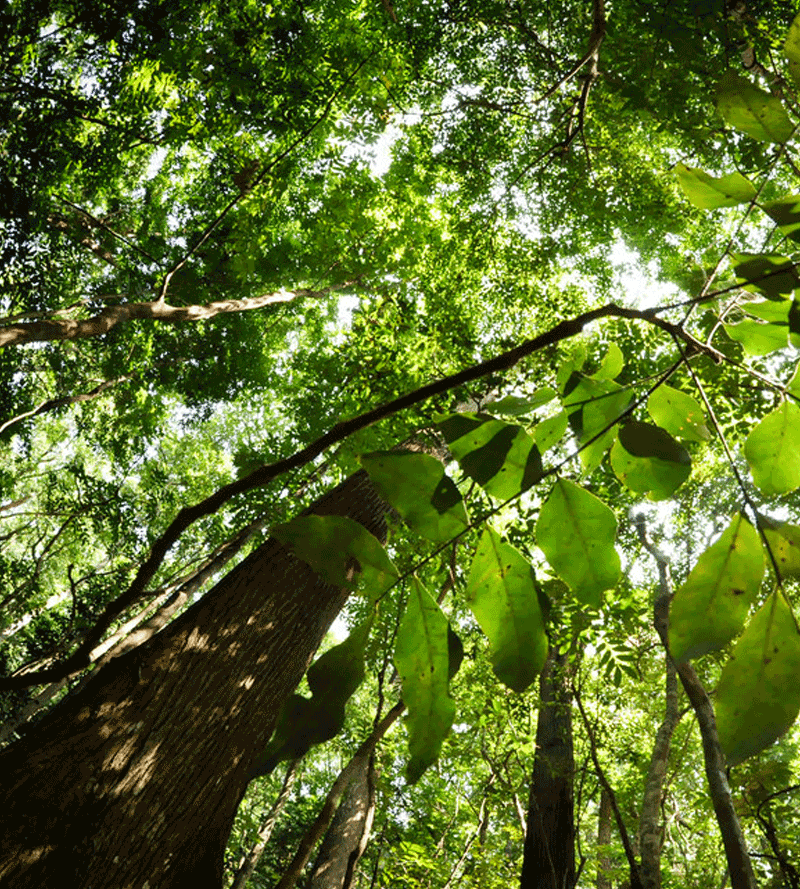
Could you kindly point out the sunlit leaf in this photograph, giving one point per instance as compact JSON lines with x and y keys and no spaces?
{"x":758,"y":338}
{"x":611,"y":365}
{"x":340,"y":550}
{"x":751,"y":110}
{"x":576,"y":532}
{"x":423,"y":661}
{"x":417,"y":487}
{"x":502,"y":595}
{"x":770,"y":274}
{"x":791,"y":47}
{"x":648,"y":460}
{"x":773,"y":450}
{"x":710,"y":608}
{"x":793,"y":386}
{"x":550,"y":431}
{"x":501,"y":457}
{"x":708,"y":192}
{"x":758,"y":695}
{"x":594,"y":406}
{"x":784,"y":542}
{"x":679,"y":413}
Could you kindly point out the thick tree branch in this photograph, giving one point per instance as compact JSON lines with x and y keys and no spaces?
{"x":265,"y":474}
{"x":53,"y":329}
{"x":596,"y":37}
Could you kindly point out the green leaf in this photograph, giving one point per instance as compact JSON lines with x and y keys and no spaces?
{"x":550,"y":431}
{"x":680,"y":414}
{"x":791,"y":47}
{"x":422,"y":660}
{"x":336,"y":674}
{"x":786,"y":213}
{"x":516,"y":406}
{"x":773,"y":450}
{"x":758,"y":338}
{"x":576,"y":532}
{"x":499,"y":456}
{"x":758,"y":695}
{"x":416,"y":486}
{"x":784,"y":542}
{"x":751,"y":110}
{"x":711,"y":606}
{"x":708,"y":192}
{"x":793,"y":386}
{"x":502,"y":595}
{"x":593,"y":405}
{"x":611,"y":365}
{"x":648,"y":460}
{"x":340,"y":550}
{"x":770,"y":274}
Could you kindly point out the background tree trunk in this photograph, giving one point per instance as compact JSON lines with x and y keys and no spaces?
{"x":549,"y":858}
{"x":134,"y":782}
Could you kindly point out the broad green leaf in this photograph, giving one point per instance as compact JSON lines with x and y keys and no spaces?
{"x":784,"y":542}
{"x":517,"y":406}
{"x":648,"y":460}
{"x":680,"y":414}
{"x":758,"y":338}
{"x":416,"y":486}
{"x":758,"y":695}
{"x":501,"y":457}
{"x":423,"y":661}
{"x":708,"y":192}
{"x":331,"y":543}
{"x":502,"y":595}
{"x":336,"y":674}
{"x":786,"y":213}
{"x":611,"y":365}
{"x":576,"y":532}
{"x":550,"y":431}
{"x":791,"y":47}
{"x":751,"y":110}
{"x":592,"y":406}
{"x":770,"y":274}
{"x":710,"y":608}
{"x":571,"y":366}
{"x":773,"y":450}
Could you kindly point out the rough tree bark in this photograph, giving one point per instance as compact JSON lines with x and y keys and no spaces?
{"x":133,"y":783}
{"x":549,"y":857}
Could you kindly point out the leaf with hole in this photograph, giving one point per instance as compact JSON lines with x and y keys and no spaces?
{"x":773,"y":450}
{"x":648,"y":460}
{"x":576,"y":532}
{"x":709,"y":192}
{"x":679,"y":413}
{"x":751,"y":110}
{"x":417,"y":487}
{"x":711,"y":606}
{"x":422,"y":658}
{"x":502,"y":594}
{"x":501,"y":457}
{"x":758,"y":695}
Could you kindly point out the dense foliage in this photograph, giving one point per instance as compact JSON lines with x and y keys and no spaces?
{"x":248,"y":250}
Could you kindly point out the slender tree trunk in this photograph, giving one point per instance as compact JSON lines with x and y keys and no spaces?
{"x":549,"y":858}
{"x":603,"y":840}
{"x":740,"y":867}
{"x":133,"y":783}
{"x":348,"y":835}
{"x":248,"y":865}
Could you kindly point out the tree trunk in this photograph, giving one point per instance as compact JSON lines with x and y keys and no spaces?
{"x":603,"y":840}
{"x":549,"y":858}
{"x":133,"y":783}
{"x":348,"y":835}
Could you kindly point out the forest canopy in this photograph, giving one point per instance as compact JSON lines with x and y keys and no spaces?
{"x":469,"y":326}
